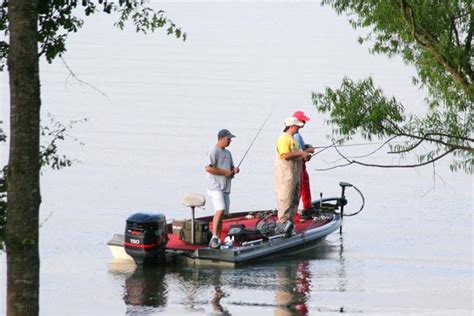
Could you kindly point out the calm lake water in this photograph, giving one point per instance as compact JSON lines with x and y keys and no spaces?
{"x":409,"y":253}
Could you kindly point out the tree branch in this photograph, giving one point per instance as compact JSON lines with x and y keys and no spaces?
{"x":397,"y":131}
{"x":349,"y":162}
{"x":333,"y":167}
{"x":468,"y":47}
{"x":455,"y":30}
{"x":425,"y":39}
{"x":377,"y":149}
{"x":82,"y":81}
{"x":425,"y":138}
{"x":407,"y":149}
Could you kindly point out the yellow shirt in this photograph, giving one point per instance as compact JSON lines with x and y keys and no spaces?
{"x":286,"y":144}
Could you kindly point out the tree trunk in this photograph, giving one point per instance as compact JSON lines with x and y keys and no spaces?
{"x":24,"y":198}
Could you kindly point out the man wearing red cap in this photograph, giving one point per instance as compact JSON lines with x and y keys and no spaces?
{"x":305,"y":189}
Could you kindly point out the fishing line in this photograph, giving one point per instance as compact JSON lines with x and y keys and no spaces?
{"x":258,"y":133}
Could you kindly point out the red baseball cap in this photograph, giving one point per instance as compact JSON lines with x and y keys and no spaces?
{"x":301,"y":116}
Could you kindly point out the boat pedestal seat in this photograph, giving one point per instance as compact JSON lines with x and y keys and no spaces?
{"x":193,"y":200}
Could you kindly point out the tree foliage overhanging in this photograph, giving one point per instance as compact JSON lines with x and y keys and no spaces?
{"x":58,"y":18}
{"x":436,"y":38}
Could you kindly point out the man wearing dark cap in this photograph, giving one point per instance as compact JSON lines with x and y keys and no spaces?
{"x":220,"y":171}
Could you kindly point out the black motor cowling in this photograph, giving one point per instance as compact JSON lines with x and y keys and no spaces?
{"x":146,"y":237}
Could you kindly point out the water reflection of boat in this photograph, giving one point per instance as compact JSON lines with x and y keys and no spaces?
{"x":291,"y":294}
{"x":252,"y":235}
{"x":283,"y":286}
{"x":145,"y":287}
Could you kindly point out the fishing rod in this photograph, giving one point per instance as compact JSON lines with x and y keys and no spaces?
{"x":258,"y":133}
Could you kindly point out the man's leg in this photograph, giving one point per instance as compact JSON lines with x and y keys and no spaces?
{"x":295,"y":200}
{"x":286,"y":209}
{"x":305,"y":188}
{"x":283,"y":191}
{"x":217,"y":223}
{"x":218,"y":200}
{"x":215,"y":241}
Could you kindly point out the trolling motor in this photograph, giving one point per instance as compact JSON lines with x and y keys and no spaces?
{"x":330,"y":205}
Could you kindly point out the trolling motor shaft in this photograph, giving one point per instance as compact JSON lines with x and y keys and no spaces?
{"x":343,"y":200}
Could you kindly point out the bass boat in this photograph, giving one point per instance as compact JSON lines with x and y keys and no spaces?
{"x":248,"y":236}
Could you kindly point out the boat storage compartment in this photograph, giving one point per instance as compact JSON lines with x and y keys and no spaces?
{"x":202,"y":235}
{"x":177,"y":226}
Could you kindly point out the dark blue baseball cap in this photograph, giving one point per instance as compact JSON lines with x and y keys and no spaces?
{"x":224,"y":133}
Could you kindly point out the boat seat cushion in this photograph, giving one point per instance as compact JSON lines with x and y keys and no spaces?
{"x":193,"y":200}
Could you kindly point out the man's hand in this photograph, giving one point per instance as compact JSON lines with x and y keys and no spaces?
{"x":231,"y":173}
{"x":308,"y":148}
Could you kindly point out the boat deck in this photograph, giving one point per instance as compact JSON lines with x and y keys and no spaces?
{"x":175,"y":243}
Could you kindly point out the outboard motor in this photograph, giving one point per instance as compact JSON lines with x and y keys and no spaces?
{"x":146,"y":238}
